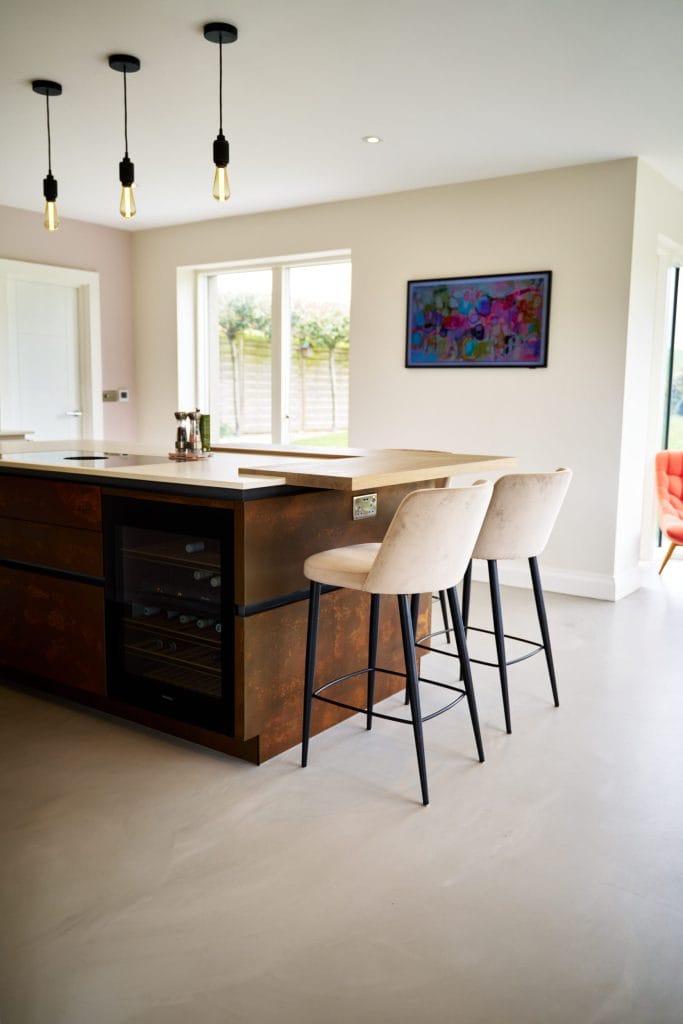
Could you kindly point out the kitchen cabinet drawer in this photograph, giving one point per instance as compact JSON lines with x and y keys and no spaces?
{"x":52,"y":628}
{"x":51,"y":547}
{"x":57,"y":502}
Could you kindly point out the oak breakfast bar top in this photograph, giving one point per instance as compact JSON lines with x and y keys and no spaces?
{"x":244,"y":468}
{"x":378,"y":468}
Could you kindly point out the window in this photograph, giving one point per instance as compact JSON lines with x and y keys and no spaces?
{"x":273,"y":358}
{"x":673,"y":425}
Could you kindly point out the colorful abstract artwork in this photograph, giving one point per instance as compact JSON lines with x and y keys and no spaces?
{"x":500,"y":320}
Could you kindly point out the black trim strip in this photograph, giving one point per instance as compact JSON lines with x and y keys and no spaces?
{"x":161,"y":487}
{"x":48,"y":570}
{"x":243,"y":611}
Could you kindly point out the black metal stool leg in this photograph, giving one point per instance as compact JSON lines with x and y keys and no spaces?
{"x":500,"y":639}
{"x":311,"y":653}
{"x":466,"y":594}
{"x":543,"y":623}
{"x":414,"y":612}
{"x":408,"y":636}
{"x":444,"y":614}
{"x":372,"y":655}
{"x":465,"y":669}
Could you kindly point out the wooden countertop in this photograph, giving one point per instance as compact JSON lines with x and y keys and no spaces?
{"x":378,"y":469}
{"x":249,"y":467}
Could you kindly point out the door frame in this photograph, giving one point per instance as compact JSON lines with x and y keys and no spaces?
{"x":87,"y":284}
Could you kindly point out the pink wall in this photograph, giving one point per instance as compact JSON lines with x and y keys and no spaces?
{"x":88,"y":247}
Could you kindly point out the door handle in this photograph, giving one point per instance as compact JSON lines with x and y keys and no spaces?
{"x":73,"y":412}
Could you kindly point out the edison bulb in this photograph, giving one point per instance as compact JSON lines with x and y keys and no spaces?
{"x":127,"y":205}
{"x":51,"y":220}
{"x":221,"y":185}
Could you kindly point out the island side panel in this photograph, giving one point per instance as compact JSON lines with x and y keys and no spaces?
{"x":276,"y":535}
{"x":275,"y":648}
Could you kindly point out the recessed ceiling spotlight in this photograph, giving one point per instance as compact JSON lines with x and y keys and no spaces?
{"x":371,"y":139}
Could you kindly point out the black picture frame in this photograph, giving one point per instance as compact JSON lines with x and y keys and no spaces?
{"x":483,"y":321}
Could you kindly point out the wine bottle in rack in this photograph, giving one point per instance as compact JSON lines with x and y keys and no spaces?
{"x":139,"y":611}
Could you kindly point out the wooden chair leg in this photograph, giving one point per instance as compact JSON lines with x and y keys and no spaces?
{"x":668,"y":555}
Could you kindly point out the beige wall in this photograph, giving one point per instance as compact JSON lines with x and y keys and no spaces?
{"x":88,"y":247}
{"x":576,"y":222}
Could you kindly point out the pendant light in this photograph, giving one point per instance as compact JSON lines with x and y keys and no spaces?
{"x":220,"y":32}
{"x":125,"y":63}
{"x":51,"y":220}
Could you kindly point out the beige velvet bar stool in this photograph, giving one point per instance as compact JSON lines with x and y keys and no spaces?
{"x":426,"y":548}
{"x":518,"y":524}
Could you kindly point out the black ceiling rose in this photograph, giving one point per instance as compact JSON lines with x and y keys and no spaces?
{"x":124,"y":62}
{"x":46,"y":88}
{"x":220,"y":32}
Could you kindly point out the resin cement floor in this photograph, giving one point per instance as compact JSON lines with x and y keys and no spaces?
{"x":148,"y":881}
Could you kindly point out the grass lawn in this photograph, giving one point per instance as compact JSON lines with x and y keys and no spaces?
{"x":675,"y":440}
{"x":340,"y":439}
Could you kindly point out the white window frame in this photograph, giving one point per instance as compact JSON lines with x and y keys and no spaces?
{"x":206,"y":372}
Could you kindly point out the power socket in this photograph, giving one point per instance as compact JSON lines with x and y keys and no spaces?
{"x":116,"y":395}
{"x":364,"y":506}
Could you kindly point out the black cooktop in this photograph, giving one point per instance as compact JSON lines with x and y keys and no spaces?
{"x":83,"y":460}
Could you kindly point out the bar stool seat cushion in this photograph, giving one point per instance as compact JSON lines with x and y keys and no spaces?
{"x":342,"y":567}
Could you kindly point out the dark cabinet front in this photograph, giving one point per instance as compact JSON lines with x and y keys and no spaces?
{"x":169,"y":609}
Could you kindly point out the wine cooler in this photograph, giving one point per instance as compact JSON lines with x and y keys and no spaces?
{"x":169,"y":609}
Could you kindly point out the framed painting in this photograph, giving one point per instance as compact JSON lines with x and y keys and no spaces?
{"x":497,"y":320}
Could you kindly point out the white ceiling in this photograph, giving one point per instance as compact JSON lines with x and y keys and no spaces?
{"x":457,"y":91}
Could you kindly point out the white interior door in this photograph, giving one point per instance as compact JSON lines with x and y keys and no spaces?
{"x":50,"y":370}
{"x":44,"y":359}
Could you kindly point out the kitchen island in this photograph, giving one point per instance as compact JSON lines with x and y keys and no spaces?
{"x":172,"y":594}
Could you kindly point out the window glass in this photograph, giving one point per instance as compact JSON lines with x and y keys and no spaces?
{"x":674,"y":427}
{"x":318,"y":405}
{"x":242,"y":378}
{"x":273,"y":377}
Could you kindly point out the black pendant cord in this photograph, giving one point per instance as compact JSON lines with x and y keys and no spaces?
{"x":125,"y":110}
{"x":220,"y":86}
{"x":49,"y":142}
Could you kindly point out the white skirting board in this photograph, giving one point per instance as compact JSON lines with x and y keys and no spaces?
{"x":562,"y":581}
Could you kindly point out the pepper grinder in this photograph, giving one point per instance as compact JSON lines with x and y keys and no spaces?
{"x":194,"y":443}
{"x":181,"y":433}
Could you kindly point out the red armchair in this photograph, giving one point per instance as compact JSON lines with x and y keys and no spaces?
{"x":669,"y":489}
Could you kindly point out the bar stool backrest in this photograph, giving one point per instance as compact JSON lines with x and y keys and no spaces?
{"x":429,"y":542}
{"x":522,"y":514}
